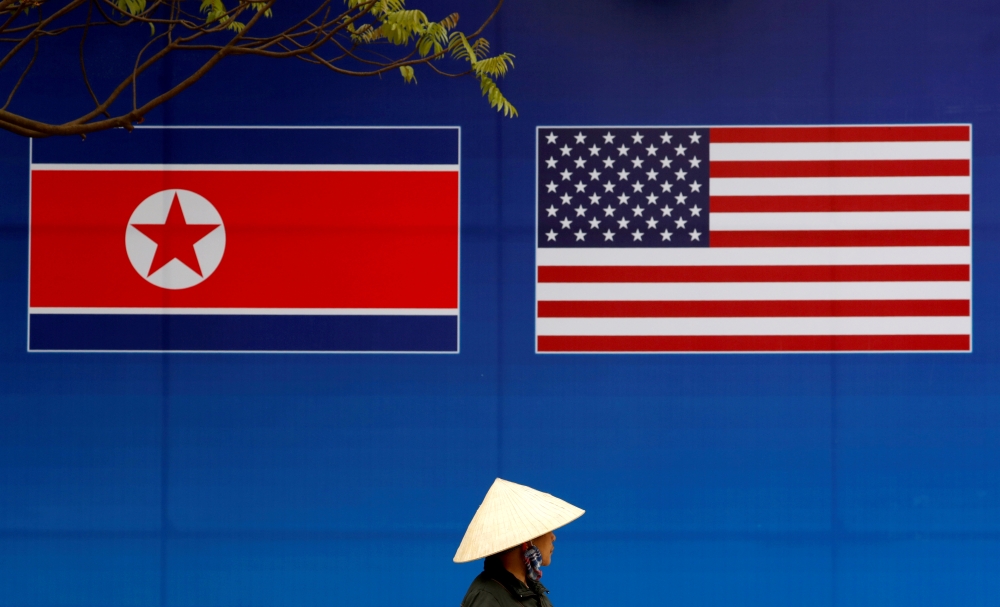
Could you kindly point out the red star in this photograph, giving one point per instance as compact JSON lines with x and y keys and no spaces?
{"x":175,"y":238}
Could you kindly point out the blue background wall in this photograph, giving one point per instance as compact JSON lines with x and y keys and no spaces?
{"x":253,"y":480}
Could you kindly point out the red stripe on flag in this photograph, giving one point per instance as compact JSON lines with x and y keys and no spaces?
{"x":841,"y":238}
{"x":839,"y":168}
{"x":293,"y":239}
{"x":831,"y":204}
{"x":858,"y":273}
{"x":749,"y":309}
{"x":796,"y":134}
{"x":762,"y":343}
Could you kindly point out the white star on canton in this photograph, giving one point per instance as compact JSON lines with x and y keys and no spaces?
{"x":633,"y":161}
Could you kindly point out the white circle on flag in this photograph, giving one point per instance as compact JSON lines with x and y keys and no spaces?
{"x":187,"y":235}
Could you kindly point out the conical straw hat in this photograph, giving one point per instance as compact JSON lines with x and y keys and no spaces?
{"x":512,"y":514}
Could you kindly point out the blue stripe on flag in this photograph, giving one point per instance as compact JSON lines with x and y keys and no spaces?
{"x":147,"y":332}
{"x":254,"y":146}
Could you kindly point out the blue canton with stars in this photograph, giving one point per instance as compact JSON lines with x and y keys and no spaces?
{"x":622,"y":187}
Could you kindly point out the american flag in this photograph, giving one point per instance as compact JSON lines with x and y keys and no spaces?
{"x":754,"y":239}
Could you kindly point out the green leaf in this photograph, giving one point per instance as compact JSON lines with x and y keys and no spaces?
{"x":407,"y":72}
{"x":461,"y":49}
{"x":495,"y":66}
{"x":399,"y":26}
{"x":433,"y":40}
{"x":496,"y":99}
{"x":132,"y":7}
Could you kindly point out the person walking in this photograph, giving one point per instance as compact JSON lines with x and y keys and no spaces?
{"x":514,"y":530}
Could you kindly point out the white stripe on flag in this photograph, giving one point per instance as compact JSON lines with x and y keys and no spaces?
{"x":929,"y":220}
{"x":848,"y":325}
{"x":752,"y":291}
{"x":763,"y":256}
{"x":876,"y":150}
{"x":839,"y":186}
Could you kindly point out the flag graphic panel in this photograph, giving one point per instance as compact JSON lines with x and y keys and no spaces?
{"x":754,"y":239}
{"x":314,"y":240}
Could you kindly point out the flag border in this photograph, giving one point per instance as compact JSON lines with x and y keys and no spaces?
{"x":458,"y":277}
{"x":538,"y":129}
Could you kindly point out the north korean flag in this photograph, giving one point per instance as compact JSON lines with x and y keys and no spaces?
{"x":246,"y":239}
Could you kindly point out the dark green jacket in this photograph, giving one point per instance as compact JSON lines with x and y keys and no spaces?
{"x":497,"y":587}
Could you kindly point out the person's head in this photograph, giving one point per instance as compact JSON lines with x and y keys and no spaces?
{"x":516,"y":559}
{"x":511,"y":520}
{"x":545,"y":544}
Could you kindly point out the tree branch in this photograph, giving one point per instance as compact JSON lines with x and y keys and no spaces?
{"x":355,"y":42}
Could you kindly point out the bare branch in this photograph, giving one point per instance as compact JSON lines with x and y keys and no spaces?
{"x":39,"y":28}
{"x":24,"y":74}
{"x":83,"y":62}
